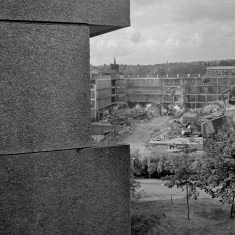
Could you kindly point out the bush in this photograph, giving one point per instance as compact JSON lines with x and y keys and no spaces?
{"x":156,"y":164}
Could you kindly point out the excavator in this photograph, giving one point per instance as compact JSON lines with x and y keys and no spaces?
{"x":229,"y":105}
{"x":211,"y":126}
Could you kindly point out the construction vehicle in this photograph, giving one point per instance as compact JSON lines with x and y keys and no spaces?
{"x":230,"y":105}
{"x":211,"y":126}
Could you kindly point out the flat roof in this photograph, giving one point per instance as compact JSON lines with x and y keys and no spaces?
{"x":220,"y":67}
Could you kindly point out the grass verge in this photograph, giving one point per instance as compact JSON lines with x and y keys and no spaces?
{"x":208,"y":217}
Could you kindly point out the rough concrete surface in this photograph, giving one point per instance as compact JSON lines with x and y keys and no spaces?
{"x":45,"y":10}
{"x":44,"y":87}
{"x":109,"y":12}
{"x":82,"y":191}
{"x":97,"y":13}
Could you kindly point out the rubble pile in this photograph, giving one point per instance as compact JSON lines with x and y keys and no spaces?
{"x":189,"y":118}
{"x":125,"y":116}
{"x":173,"y":129}
{"x":209,"y":112}
{"x":179,"y":111}
{"x":213,"y":110}
{"x":138,"y":113}
{"x":170,"y":130}
{"x":200,"y":119}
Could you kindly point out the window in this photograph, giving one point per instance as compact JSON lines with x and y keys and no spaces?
{"x":166,"y":98}
{"x":92,"y":94}
{"x":176,"y":98}
{"x":192,"y":98}
{"x":193,"y":90}
{"x":92,"y":104}
{"x":177,"y":82}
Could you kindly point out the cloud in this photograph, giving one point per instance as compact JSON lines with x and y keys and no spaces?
{"x":173,"y":30}
{"x":216,"y":10}
{"x":145,"y":3}
{"x":133,"y":35}
{"x":118,"y":44}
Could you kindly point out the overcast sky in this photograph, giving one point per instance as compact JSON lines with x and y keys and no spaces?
{"x":170,"y":30}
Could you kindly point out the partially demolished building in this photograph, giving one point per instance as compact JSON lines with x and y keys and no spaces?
{"x":201,"y":90}
{"x":191,"y":91}
{"x":107,"y":89}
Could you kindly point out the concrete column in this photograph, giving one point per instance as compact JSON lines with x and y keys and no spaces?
{"x":44,"y":87}
{"x":52,"y":181}
{"x":83,"y":191}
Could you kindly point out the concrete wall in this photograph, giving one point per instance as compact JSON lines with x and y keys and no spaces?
{"x":52,"y":181}
{"x":93,"y":114}
{"x":139,"y":98}
{"x":100,"y":128}
{"x":82,"y":191}
{"x":143,"y":90}
{"x":102,"y":16}
{"x":103,"y":92}
{"x":44,"y":87}
{"x":171,"y":82}
{"x":120,"y":82}
{"x":143,"y":82}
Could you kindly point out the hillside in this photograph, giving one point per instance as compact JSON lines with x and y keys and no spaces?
{"x":181,"y":68}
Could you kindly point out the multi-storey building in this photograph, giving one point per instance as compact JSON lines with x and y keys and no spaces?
{"x":202,"y":90}
{"x":101,"y":94}
{"x":118,"y":84}
{"x":107,"y":89}
{"x":193,"y":91}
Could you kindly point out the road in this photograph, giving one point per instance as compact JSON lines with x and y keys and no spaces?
{"x":154,"y":189}
{"x":142,"y":133}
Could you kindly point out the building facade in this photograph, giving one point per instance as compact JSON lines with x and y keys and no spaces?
{"x":107,"y":89}
{"x":143,"y":90}
{"x":192,"y":91}
{"x":202,"y":90}
{"x":173,"y":91}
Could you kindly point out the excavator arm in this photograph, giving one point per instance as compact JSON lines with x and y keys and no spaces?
{"x":223,"y":98}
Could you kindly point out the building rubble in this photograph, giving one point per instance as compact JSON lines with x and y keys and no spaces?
{"x":125,"y":116}
{"x":172,"y":134}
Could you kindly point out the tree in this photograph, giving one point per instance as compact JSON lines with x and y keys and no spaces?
{"x":184,"y":176}
{"x":133,"y":183}
{"x":217,"y":170}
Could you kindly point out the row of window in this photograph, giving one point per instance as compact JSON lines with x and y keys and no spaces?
{"x":220,"y":73}
{"x":172,"y":82}
{"x":202,"y":98}
{"x":174,"y":98}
